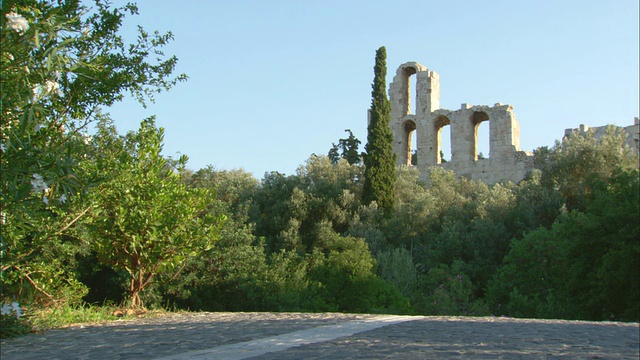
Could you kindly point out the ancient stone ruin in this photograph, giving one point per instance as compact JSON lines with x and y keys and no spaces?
{"x":632,"y":131}
{"x":505,"y":161}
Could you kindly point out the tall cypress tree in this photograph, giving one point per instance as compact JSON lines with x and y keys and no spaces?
{"x":379,"y":159}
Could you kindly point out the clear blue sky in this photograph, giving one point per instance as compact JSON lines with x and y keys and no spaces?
{"x":272,"y":82}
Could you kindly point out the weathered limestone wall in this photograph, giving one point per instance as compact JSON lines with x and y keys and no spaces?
{"x":506,"y":161}
{"x":633,"y":133}
{"x":427,"y":97}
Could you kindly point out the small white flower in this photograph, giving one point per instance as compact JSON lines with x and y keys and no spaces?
{"x":3,"y":148}
{"x":11,"y":58}
{"x":16,"y":308}
{"x":38,"y":184}
{"x":37,"y":177}
{"x":6,"y":309}
{"x":17,"y":22}
{"x":63,"y":198}
{"x":52,"y":86}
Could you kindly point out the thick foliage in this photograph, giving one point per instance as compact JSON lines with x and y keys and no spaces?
{"x":571,"y":167}
{"x":307,"y":266}
{"x":585,"y":267}
{"x":143,"y":219}
{"x":286,"y":210}
{"x":448,"y":291}
{"x":346,"y":149}
{"x":60,"y":62}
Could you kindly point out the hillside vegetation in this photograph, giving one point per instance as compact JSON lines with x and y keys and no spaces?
{"x":104,"y":219}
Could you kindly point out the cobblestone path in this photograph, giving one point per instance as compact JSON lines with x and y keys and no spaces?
{"x":285,"y":336}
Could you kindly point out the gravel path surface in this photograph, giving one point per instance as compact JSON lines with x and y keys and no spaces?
{"x":328,"y":336}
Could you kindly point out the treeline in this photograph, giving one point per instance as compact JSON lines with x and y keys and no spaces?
{"x":563,"y":243}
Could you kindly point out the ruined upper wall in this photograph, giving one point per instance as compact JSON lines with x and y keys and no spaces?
{"x":632,"y":131}
{"x":506,"y":162}
{"x":427,"y":94}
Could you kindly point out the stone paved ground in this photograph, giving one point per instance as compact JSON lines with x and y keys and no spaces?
{"x":422,"y":338}
{"x":479,"y":338}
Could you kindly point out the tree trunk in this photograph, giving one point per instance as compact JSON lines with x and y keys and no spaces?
{"x":135,"y":287}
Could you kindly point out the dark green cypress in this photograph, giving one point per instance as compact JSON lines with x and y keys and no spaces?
{"x":379,"y":159}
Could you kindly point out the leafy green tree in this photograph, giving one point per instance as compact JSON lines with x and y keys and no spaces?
{"x":396,"y":266}
{"x":413,"y":214}
{"x":617,"y":206}
{"x":143,"y":218}
{"x":379,"y":159}
{"x":346,"y":273}
{"x":349,"y":147}
{"x":287,"y":209}
{"x":366,"y":224}
{"x":303,"y":219}
{"x":447,"y":290}
{"x":232,"y":275}
{"x":536,"y":205}
{"x":233,"y":189}
{"x":272,"y":212}
{"x":452,"y":221}
{"x":528,"y":282}
{"x":584,"y":267}
{"x":331,"y":193}
{"x":59,"y":62}
{"x":334,"y":154}
{"x":584,"y":198}
{"x":571,"y":166}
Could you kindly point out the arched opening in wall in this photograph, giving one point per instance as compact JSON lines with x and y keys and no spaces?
{"x":483,"y":141}
{"x":445,"y":154}
{"x":410,"y":134}
{"x":443,"y":139}
{"x":414,"y":149}
{"x":481,"y":135}
{"x":411,"y":89}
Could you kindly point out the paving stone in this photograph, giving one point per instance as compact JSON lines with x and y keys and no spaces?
{"x":421,"y":338}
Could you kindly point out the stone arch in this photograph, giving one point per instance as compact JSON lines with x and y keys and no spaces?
{"x":408,"y":71}
{"x":425,"y":93}
{"x":440,"y":122}
{"x":409,"y":127}
{"x":477,"y":117}
{"x":409,"y":95}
